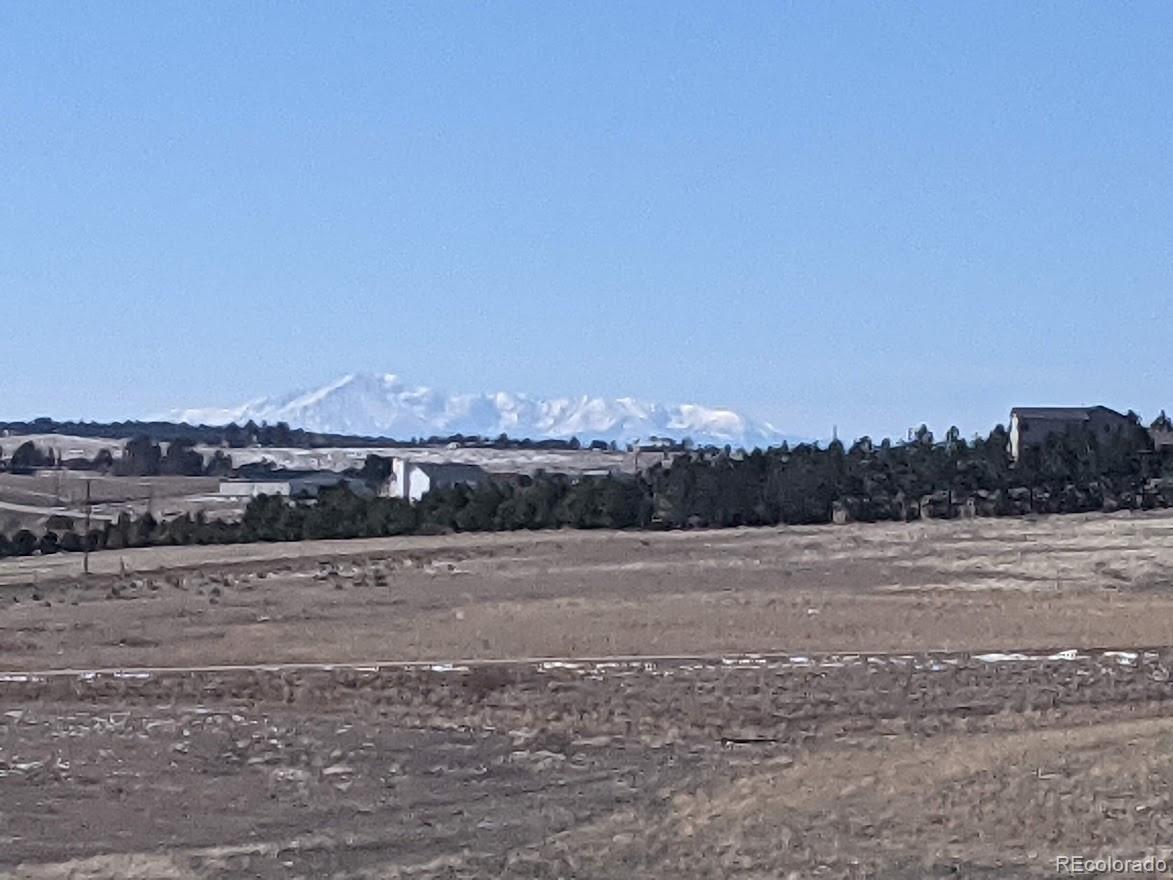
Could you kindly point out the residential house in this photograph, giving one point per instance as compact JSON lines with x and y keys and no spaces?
{"x":1032,"y":425}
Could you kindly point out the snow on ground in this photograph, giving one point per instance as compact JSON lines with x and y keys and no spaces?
{"x":522,"y":461}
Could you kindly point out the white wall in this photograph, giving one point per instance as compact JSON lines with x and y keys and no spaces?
{"x":1015,"y":437}
{"x":410,"y":481}
{"x":399,"y":478}
{"x":419,"y":484}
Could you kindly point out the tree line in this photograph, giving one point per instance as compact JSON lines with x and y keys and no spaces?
{"x":250,"y":434}
{"x":925,"y":477}
{"x":141,"y":457}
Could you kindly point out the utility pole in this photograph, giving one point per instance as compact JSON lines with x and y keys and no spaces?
{"x":85,"y":557}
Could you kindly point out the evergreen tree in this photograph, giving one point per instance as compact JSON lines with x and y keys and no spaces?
{"x":140,"y":458}
{"x":182,"y":460}
{"x":23,"y":543}
{"x":27,"y":457}
{"x":71,"y":542}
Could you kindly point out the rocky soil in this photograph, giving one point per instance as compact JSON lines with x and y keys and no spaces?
{"x":930,"y":700}
{"x":841,"y":766}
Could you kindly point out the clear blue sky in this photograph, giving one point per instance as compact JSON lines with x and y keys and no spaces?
{"x":869,"y":215}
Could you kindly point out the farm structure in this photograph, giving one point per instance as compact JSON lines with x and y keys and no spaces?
{"x":411,"y":479}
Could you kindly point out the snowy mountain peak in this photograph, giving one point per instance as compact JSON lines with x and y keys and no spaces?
{"x":382,"y":405}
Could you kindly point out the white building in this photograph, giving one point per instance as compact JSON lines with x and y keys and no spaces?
{"x":410,"y":479}
{"x":293,"y":484}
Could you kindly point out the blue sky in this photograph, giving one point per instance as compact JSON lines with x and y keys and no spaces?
{"x":869,"y":215}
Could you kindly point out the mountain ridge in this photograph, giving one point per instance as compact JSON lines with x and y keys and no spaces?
{"x":383,"y":405}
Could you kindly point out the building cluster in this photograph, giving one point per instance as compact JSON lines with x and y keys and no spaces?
{"x":408,"y":480}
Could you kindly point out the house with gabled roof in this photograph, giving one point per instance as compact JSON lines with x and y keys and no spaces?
{"x":1032,"y":425}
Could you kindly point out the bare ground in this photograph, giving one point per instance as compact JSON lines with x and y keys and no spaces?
{"x":1063,"y":582}
{"x":899,"y":767}
{"x":931,"y":765}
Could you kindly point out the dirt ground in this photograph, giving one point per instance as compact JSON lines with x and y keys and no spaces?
{"x":916,"y":767}
{"x":854,"y":753}
{"x":987,"y":584}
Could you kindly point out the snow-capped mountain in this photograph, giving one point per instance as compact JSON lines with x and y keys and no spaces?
{"x":379,"y":405}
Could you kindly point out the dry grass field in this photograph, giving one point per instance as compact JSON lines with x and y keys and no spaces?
{"x":898,"y":733}
{"x":984,"y":584}
{"x":26,"y":501}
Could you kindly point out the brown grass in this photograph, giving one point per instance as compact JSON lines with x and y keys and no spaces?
{"x":992,"y":584}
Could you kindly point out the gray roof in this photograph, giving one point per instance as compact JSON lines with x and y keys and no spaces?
{"x":1061,"y":413}
{"x":451,"y":470}
{"x":286,"y":476}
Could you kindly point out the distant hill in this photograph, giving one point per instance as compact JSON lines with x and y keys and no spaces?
{"x":381,"y":405}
